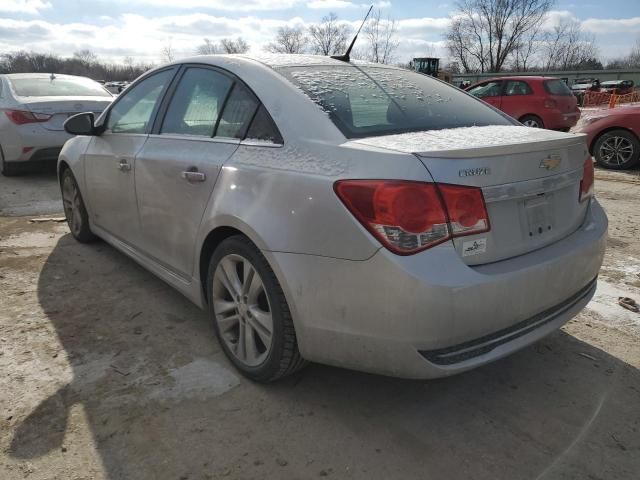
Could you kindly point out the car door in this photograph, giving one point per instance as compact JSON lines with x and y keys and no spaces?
{"x":199,"y":127}
{"x":110,"y":158}
{"x":490,"y":92}
{"x":517,"y":99}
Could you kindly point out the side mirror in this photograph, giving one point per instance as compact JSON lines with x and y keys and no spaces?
{"x":80,"y":124}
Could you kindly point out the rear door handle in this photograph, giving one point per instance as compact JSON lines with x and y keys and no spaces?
{"x":124,"y":166}
{"x":193,"y":175}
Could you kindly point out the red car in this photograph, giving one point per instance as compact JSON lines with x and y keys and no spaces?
{"x":613,"y":137}
{"x":543,"y":102}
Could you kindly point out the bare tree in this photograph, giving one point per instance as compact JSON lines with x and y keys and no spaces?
{"x":382,"y":38}
{"x":239,"y":45}
{"x":484,"y":33}
{"x":629,"y":61}
{"x":288,"y":40}
{"x":526,"y":50}
{"x":329,"y":37}
{"x":207,"y":48}
{"x":567,"y":47}
{"x":86,"y":57}
{"x":465,"y":47}
{"x":167,"y":53}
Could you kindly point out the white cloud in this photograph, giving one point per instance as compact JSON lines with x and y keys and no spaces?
{"x":612,"y":25}
{"x":338,"y":4}
{"x":227,"y":5}
{"x":23,"y":6}
{"x":330,"y":4}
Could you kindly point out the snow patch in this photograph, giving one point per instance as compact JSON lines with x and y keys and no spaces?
{"x":605,"y":304}
{"x":290,"y":158}
{"x":463,"y":138}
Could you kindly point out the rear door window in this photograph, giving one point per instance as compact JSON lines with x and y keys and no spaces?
{"x":556,"y":87}
{"x":517,"y":87}
{"x":196,"y":103}
{"x":238,"y":112}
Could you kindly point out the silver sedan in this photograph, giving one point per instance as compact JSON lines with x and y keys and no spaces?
{"x":33,"y":109}
{"x":352,"y":214}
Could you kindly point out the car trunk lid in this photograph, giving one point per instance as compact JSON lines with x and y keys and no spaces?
{"x":61,"y":109}
{"x":530,"y":179}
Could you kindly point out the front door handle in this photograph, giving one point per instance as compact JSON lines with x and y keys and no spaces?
{"x":124,"y":166}
{"x":193,"y":175}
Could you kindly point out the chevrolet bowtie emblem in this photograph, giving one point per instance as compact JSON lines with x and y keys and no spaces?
{"x":550,"y":162}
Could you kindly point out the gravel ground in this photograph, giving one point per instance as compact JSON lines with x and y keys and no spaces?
{"x":107,"y":373}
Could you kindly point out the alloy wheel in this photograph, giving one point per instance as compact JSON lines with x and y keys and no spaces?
{"x":242,"y":310}
{"x":616,"y":151}
{"x":72,"y":204}
{"x":531,"y":123}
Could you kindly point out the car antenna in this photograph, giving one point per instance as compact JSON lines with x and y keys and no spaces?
{"x":345,"y":56}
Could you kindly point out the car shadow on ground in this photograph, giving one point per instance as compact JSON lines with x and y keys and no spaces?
{"x":161,"y":401}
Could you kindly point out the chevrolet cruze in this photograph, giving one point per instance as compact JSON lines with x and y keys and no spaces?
{"x":352,"y":214}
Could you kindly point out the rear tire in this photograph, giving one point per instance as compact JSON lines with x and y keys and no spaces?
{"x":74,"y":209}
{"x":10,"y":169}
{"x":250,"y":314}
{"x":532,"y":121}
{"x":617,"y":150}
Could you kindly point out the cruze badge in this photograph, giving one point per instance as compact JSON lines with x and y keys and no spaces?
{"x":551,"y":162}
{"x":474,"y":172}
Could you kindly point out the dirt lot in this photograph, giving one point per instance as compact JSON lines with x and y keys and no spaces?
{"x":109,"y":374}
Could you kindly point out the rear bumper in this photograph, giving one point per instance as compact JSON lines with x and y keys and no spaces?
{"x":559,"y":120}
{"x":42,"y":144}
{"x":430,"y":315}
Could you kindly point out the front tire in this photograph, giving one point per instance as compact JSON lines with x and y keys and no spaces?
{"x":250,"y":314}
{"x":617,"y":149}
{"x":74,"y":209}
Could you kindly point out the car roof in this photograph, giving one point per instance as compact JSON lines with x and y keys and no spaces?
{"x":279,"y":60}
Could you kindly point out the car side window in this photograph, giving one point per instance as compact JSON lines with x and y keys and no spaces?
{"x":263,"y":128}
{"x":517,"y":87}
{"x":238,"y":112}
{"x":132,"y":113}
{"x":487,"y":89}
{"x":196,"y":103}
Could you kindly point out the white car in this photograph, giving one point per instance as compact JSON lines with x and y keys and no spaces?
{"x":33,"y":109}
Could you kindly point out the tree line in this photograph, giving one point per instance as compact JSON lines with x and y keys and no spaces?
{"x":519,"y":35}
{"x":483,"y":36}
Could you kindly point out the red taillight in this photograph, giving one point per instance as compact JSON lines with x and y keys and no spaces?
{"x":408,"y":217}
{"x":466,"y":208}
{"x":21,"y":117}
{"x":586,"y":184}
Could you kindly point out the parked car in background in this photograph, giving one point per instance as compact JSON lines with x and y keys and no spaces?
{"x":363,"y":216}
{"x":619,"y":87}
{"x":33,"y":109}
{"x":541,"y":102}
{"x":613,"y":136}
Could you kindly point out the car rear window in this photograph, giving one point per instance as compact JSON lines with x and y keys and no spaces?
{"x":366,"y":101}
{"x":556,"y":87}
{"x":57,"y":87}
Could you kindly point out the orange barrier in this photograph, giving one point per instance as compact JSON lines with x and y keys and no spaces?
{"x":592,"y":99}
{"x":626,"y":98}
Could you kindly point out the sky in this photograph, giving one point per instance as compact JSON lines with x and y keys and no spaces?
{"x":115,"y":29}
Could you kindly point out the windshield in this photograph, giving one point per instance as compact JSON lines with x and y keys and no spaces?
{"x":58,"y":87}
{"x":366,"y":101}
